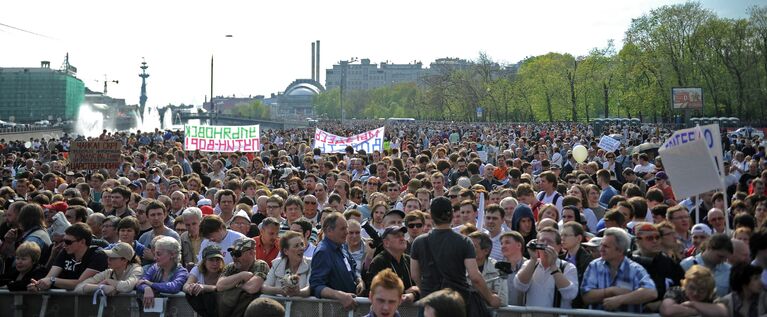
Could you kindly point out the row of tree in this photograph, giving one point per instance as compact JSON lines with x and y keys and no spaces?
{"x":681,"y":45}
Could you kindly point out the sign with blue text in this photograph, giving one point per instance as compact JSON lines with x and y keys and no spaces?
{"x":330,"y":143}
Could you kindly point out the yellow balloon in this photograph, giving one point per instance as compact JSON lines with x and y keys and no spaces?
{"x":580,"y":153}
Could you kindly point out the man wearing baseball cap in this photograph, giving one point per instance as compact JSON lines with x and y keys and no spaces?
{"x":241,"y":280}
{"x":700,"y":233}
{"x":661,"y":182}
{"x":664,"y":271}
{"x":393,"y":256}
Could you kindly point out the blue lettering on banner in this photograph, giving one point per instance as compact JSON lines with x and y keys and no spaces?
{"x":709,"y":138}
{"x":377,"y":145}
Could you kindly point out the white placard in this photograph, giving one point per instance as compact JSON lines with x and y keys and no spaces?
{"x":609,"y":144}
{"x":683,"y":159}
{"x":482,"y":156}
{"x":330,"y":143}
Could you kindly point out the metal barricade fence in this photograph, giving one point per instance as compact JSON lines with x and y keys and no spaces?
{"x":68,"y":304}
{"x":303,"y":307}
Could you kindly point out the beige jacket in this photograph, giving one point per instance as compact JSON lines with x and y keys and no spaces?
{"x":126,"y":285}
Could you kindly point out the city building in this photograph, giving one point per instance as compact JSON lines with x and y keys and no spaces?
{"x":29,"y":94}
{"x":297,"y":102}
{"x":366,"y":75}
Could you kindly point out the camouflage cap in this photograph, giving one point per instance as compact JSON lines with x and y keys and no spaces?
{"x":242,"y":244}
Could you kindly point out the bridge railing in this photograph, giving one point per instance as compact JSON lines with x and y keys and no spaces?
{"x":58,"y":303}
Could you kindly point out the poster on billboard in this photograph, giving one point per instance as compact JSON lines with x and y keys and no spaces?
{"x":687,"y":98}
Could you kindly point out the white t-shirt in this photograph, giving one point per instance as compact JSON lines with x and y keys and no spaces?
{"x":197,"y":274}
{"x":225,"y":244}
{"x":650,"y":167}
{"x":550,"y":200}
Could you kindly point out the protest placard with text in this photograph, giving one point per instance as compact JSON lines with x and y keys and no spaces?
{"x":368,"y":141}
{"x":209,"y":138}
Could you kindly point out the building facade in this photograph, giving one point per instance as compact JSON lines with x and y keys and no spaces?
{"x":32,"y":94}
{"x":366,"y":75}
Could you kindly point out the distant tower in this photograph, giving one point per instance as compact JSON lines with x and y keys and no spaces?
{"x":142,"y":99}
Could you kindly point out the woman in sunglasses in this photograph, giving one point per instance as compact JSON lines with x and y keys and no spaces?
{"x":289,"y":275}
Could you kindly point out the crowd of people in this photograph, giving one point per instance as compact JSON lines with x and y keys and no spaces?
{"x":460,"y":218}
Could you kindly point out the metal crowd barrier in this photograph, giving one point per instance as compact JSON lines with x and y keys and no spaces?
{"x":310,"y":307}
{"x":58,"y":303}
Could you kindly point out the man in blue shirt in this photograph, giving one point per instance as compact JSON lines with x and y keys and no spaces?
{"x":718,"y":249}
{"x":614,"y":282}
{"x":603,"y":180}
{"x":334,"y":273}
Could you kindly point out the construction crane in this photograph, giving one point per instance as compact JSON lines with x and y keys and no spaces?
{"x":106,"y":81}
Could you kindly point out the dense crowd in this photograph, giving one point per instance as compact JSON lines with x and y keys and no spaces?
{"x":459,"y":217}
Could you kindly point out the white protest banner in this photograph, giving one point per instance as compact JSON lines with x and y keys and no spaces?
{"x":714,"y":143}
{"x":368,"y":141}
{"x":609,"y":144}
{"x":684,"y":161}
{"x":712,"y":139}
{"x":209,"y":138}
{"x":482,"y":156}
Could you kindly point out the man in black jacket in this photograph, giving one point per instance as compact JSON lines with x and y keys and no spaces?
{"x":393,"y":256}
{"x":662,"y":269}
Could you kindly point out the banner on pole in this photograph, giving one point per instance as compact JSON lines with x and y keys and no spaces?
{"x":93,"y":155}
{"x":208,"y":138}
{"x":368,"y":141}
{"x":684,"y":161}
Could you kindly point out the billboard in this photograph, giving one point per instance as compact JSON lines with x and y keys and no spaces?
{"x":687,"y":98}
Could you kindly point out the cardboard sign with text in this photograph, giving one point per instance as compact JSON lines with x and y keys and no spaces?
{"x":93,"y":155}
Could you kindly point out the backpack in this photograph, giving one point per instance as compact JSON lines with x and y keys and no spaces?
{"x":557,"y":196}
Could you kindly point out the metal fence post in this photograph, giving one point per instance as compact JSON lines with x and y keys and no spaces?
{"x":288,"y":307}
{"x":18,"y":305}
{"x":44,"y":305}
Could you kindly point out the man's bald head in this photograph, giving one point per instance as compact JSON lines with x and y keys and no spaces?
{"x":740,"y":254}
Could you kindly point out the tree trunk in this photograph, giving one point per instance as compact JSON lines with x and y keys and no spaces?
{"x":548,"y":107}
{"x":572,"y":98}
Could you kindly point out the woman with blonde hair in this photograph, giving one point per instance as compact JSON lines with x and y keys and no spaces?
{"x":289,"y":275}
{"x":123,"y":272}
{"x":695,"y":297}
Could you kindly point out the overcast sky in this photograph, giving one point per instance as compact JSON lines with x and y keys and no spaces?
{"x":271,"y":43}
